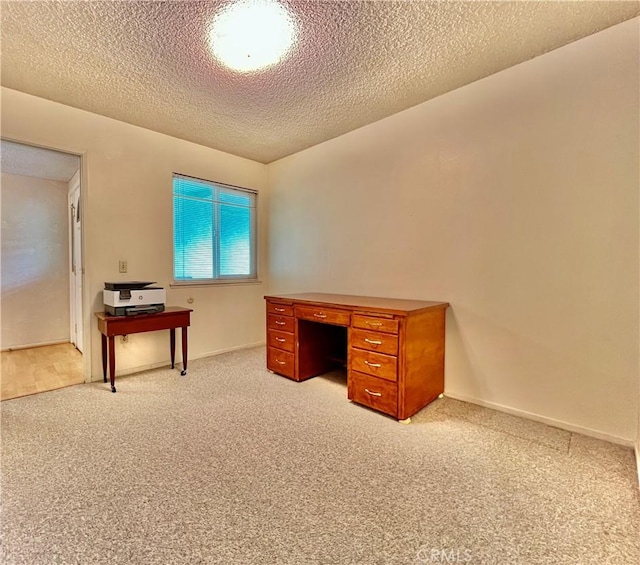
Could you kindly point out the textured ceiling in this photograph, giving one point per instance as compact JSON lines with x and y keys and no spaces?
{"x":147,"y":63}
{"x":19,"y":159}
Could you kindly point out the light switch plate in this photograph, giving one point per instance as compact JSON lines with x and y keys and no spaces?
{"x":122,"y":266}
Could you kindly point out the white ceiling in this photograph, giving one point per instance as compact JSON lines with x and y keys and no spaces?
{"x":355,"y":62}
{"x":25,"y":160}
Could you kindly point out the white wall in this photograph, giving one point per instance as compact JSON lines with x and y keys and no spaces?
{"x":515,"y":199}
{"x":127,"y":214}
{"x":35,"y":261}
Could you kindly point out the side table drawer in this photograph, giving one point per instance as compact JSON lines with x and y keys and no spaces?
{"x":280,"y":340}
{"x":281,"y":362}
{"x":376,"y":393}
{"x":376,"y":364}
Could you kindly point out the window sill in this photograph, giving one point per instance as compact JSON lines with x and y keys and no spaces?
{"x":180,"y":284}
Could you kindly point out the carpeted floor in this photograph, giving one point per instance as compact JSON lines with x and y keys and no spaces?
{"x":233,"y":465}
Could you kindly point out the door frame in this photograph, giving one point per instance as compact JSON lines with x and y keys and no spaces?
{"x":86,"y":305}
{"x":76,"y":267}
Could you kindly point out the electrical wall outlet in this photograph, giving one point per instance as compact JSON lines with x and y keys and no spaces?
{"x":122,"y":266}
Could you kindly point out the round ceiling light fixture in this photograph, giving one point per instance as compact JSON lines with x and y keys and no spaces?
{"x":250,"y":35}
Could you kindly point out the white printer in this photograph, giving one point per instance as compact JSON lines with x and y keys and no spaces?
{"x":128,"y":298}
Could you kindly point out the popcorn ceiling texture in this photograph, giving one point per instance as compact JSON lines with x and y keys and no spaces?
{"x":147,"y":63}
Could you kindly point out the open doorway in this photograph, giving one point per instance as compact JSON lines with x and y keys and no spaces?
{"x":41,"y":282}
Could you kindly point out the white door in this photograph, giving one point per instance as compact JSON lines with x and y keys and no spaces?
{"x":75,"y":296}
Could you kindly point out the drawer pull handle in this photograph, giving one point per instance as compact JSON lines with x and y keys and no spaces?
{"x":279,"y":309}
{"x":281,"y":339}
{"x":373,"y":341}
{"x":373,"y":365}
{"x":279,"y":323}
{"x":280,"y":362}
{"x":374,"y":324}
{"x":372,"y":393}
{"x":320,"y":316}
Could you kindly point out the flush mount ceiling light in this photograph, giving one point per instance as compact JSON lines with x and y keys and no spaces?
{"x":250,"y":35}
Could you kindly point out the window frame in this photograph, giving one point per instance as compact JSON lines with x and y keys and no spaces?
{"x":217,"y":279}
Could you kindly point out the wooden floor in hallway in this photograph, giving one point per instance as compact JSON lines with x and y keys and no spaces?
{"x":38,"y":369}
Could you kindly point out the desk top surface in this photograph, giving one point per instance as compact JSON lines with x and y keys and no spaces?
{"x":167,"y":310}
{"x":394,"y":305}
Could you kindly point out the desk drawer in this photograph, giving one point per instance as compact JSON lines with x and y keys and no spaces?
{"x":282,"y":323}
{"x":374,"y":341}
{"x":280,"y":340}
{"x":280,"y":362}
{"x":324,"y":315}
{"x":279,"y":309}
{"x":376,"y":393}
{"x":388,"y":325}
{"x":376,"y":364}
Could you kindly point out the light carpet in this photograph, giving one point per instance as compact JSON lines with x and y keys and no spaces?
{"x":232,"y":464}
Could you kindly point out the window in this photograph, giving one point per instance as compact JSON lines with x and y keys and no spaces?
{"x":214,"y":231}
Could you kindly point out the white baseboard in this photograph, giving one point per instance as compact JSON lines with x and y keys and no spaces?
{"x":31,"y":345}
{"x":544,"y":420}
{"x":167,"y":362}
{"x":229,"y":349}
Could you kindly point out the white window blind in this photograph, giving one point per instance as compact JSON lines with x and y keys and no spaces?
{"x":214,"y":231}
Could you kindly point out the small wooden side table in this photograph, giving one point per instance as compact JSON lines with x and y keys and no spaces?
{"x":111,"y":326}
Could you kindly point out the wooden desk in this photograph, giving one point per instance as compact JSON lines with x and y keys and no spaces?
{"x":393,"y":349}
{"x":111,"y":326}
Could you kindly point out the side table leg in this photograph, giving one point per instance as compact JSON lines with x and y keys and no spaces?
{"x":184,"y":351}
{"x":104,"y":357}
{"x":112,"y":362}
{"x":172,"y":338}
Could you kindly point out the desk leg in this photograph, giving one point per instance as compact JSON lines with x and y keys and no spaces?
{"x":104,"y":357}
{"x":172,"y":338}
{"x":184,"y":351}
{"x":112,"y":362}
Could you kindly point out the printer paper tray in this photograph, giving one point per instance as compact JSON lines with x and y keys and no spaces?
{"x":133,"y":310}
